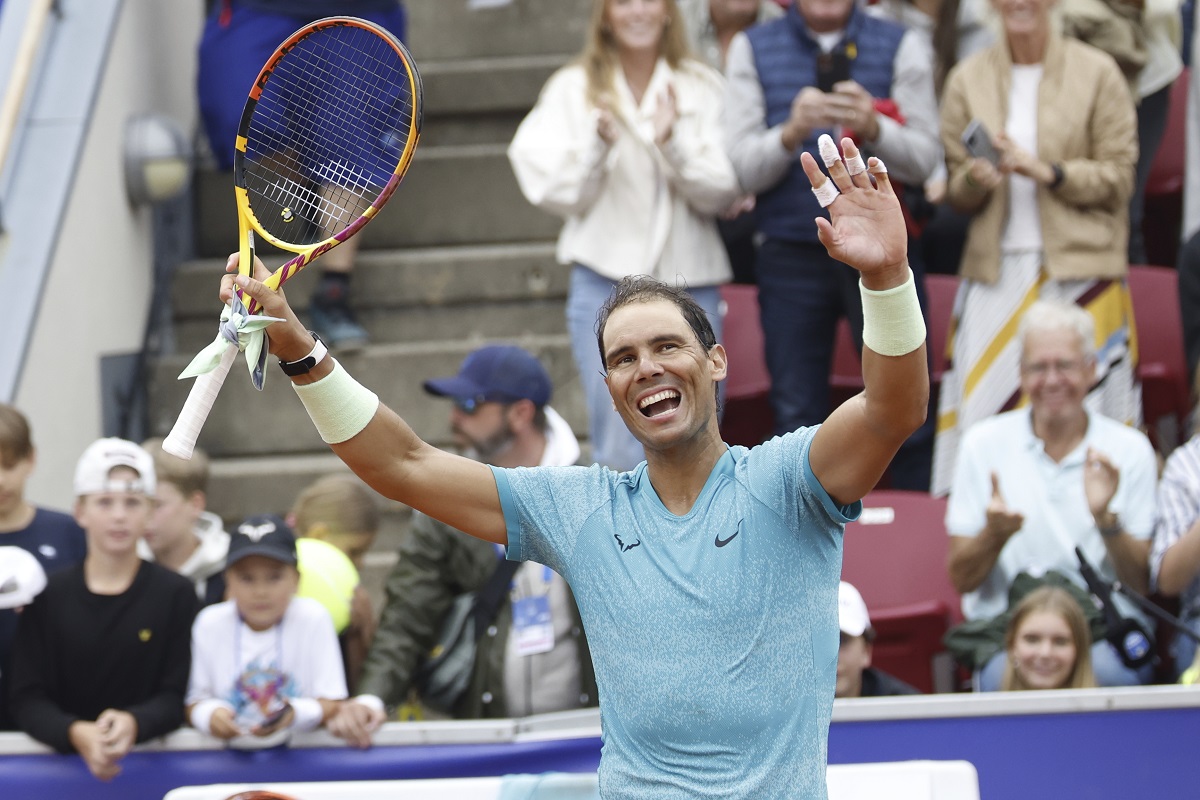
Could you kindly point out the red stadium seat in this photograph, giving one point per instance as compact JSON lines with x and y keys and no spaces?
{"x":895,"y":555}
{"x":1162,"y":366}
{"x":747,"y":419}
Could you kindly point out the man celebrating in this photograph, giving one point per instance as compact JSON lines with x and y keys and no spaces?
{"x":701,"y":543}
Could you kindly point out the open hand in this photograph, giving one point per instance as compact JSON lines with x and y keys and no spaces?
{"x":1100,"y":480}
{"x":666,"y":113}
{"x":865,"y":228}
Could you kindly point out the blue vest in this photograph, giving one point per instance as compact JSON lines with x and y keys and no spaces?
{"x":785,"y":56}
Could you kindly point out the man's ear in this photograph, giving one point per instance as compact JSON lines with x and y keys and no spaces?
{"x":520,"y":414}
{"x":720,"y":362}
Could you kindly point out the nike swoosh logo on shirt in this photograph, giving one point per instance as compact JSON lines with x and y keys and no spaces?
{"x":719,"y":542}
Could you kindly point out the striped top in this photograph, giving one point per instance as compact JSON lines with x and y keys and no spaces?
{"x":1178,"y":510}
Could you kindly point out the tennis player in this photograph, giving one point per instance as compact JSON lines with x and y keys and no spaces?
{"x":707,"y":577}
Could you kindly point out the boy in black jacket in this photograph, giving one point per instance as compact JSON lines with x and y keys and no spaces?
{"x":101,"y":657}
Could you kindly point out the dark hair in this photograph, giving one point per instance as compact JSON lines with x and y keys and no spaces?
{"x":644,"y":289}
{"x":16,"y":442}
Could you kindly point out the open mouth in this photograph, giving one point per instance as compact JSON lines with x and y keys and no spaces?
{"x":659,"y":403}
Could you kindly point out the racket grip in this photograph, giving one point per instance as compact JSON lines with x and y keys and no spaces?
{"x":181,"y":441}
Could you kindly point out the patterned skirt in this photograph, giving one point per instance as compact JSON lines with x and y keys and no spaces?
{"x":984,"y":373}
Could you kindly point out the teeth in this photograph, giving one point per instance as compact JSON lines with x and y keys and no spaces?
{"x":666,"y":394}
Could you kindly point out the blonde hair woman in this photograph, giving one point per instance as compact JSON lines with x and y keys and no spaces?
{"x":624,"y":145}
{"x":1048,"y":643}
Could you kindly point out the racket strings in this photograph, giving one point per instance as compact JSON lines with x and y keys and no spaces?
{"x":327,"y":134}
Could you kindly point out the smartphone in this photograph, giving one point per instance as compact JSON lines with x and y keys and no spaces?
{"x":832,"y":68}
{"x":978,"y":142}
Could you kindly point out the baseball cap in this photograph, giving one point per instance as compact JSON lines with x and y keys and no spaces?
{"x":262,"y":535}
{"x":496,"y":373}
{"x":91,"y":473}
{"x":852,"y":611}
{"x":21,"y":577}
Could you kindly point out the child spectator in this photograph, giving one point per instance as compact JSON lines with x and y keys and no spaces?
{"x":183,"y":536}
{"x":265,"y":662}
{"x":101,"y":656}
{"x":855,"y":675}
{"x":54,"y":538}
{"x":339,"y":510}
{"x":1049,"y":643}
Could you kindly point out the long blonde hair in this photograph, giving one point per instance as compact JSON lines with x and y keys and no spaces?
{"x":1056,"y":601}
{"x":600,"y":57}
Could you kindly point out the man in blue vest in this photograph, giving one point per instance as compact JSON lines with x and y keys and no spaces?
{"x":824,"y":67}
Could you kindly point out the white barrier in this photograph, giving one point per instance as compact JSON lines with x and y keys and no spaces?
{"x":910,"y":780}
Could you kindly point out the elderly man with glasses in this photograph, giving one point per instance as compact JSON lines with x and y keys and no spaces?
{"x":1033,"y":484}
{"x":533,"y":658}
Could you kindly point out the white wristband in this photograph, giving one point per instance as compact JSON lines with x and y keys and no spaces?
{"x":892,"y":321}
{"x":339,"y":406}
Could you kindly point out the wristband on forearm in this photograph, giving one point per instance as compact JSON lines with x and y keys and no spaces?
{"x":892,"y":321}
{"x":339,"y":406}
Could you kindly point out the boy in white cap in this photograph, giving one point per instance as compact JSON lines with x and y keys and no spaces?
{"x":855,"y":675}
{"x":101,"y":656}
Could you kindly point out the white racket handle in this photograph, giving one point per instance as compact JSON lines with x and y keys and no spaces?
{"x":181,"y":441}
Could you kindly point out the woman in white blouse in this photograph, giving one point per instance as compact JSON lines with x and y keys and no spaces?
{"x":624,"y":144}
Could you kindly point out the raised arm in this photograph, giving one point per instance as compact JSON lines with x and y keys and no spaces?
{"x":372,"y":439}
{"x":866,"y":230}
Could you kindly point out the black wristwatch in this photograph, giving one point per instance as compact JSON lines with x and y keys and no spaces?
{"x":305,"y":365}
{"x":1058,"y":175}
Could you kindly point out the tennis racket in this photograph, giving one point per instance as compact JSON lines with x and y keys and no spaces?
{"x":327,"y":134}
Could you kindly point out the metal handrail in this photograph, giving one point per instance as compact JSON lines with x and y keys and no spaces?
{"x":18,"y":82}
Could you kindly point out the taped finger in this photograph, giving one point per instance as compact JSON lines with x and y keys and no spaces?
{"x":826,"y":193}
{"x":828,"y":150}
{"x":855,"y":165}
{"x":877,"y":167}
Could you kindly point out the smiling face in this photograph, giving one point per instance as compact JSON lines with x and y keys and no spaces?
{"x":637,"y":25}
{"x":261,"y":588}
{"x":1056,"y":373}
{"x":659,"y":375}
{"x":1024,"y":17}
{"x":1043,"y":650}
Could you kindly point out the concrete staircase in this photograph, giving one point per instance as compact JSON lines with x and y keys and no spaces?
{"x":457,"y":258}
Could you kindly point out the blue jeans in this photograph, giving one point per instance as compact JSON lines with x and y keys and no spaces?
{"x":1106,"y":664}
{"x":802,"y":293}
{"x":612,"y":443}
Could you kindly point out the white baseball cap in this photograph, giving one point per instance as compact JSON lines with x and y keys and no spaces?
{"x":91,"y":473}
{"x":852,"y":611}
{"x":21,"y":577}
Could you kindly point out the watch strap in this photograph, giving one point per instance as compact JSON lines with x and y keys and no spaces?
{"x":305,"y":365}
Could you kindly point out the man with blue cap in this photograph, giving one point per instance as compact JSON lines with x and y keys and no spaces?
{"x":533,"y":658}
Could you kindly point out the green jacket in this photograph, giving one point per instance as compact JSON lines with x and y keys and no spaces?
{"x":438,"y":563}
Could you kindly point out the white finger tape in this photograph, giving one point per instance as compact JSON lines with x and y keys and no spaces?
{"x":878,"y":167}
{"x":828,"y":150}
{"x":826,"y":193}
{"x":855,"y":165}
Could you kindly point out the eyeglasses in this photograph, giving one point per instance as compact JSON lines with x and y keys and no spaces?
{"x":470,"y":405}
{"x":1061,"y":366}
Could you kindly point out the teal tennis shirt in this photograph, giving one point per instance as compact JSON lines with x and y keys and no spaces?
{"x":714,"y":634}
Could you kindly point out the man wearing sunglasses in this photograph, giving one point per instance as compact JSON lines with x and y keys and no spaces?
{"x":533,"y":659}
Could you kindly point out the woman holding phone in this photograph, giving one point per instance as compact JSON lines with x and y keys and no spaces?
{"x":1049,"y":214}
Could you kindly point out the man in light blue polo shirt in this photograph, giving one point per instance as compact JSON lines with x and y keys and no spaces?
{"x":1033,"y":484}
{"x":707,"y":577}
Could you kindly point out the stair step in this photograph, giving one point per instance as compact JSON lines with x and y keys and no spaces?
{"x":440,"y":29}
{"x":461,"y":194}
{"x":249,"y":423}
